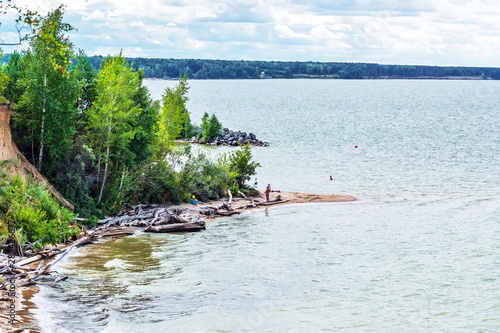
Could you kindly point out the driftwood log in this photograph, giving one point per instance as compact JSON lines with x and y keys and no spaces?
{"x":227,"y":210}
{"x":177,"y":227}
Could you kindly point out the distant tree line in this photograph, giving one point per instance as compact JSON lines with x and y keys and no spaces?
{"x":240,"y":69}
{"x":203,"y":69}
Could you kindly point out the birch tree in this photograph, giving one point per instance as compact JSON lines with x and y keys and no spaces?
{"x":112,"y":117}
{"x":46,"y":109}
{"x":173,"y":120}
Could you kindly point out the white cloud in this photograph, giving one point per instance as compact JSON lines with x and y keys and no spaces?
{"x":137,"y":24}
{"x":95,"y":15}
{"x":284,"y":31}
{"x":441,"y":32}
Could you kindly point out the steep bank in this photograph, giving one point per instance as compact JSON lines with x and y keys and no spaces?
{"x":9,"y":151}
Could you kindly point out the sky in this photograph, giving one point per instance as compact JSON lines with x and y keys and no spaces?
{"x":427,"y":32}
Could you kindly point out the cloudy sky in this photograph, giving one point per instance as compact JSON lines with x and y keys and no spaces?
{"x":434,"y":32}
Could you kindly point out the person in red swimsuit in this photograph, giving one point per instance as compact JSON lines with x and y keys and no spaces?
{"x":268,"y":190}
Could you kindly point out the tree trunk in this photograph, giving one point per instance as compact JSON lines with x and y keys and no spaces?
{"x":99,"y":167}
{"x":105,"y":174}
{"x":121,"y":181}
{"x":40,"y":156}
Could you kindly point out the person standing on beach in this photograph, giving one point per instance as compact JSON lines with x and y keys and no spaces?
{"x":268,"y":190}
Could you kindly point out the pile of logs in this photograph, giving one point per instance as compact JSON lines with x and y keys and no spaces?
{"x":154,"y":219}
{"x":226,"y":209}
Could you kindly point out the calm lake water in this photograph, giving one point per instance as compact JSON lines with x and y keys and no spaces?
{"x":420,"y":253}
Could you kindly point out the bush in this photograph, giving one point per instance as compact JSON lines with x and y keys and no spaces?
{"x":75,"y":180}
{"x":210,"y":180}
{"x":29,"y":207}
{"x":155,"y":184}
{"x":241,"y":165}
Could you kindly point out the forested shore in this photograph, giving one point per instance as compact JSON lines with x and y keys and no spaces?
{"x":99,"y":139}
{"x":241,"y":69}
{"x":203,"y":69}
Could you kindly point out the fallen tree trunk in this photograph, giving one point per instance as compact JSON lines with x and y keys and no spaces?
{"x":227,"y":213}
{"x":194,"y":226}
{"x":122,"y":231}
{"x":270,"y":203}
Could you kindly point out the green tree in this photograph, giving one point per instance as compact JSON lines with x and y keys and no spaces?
{"x":13,"y":70}
{"x":46,"y":110}
{"x":210,"y":126}
{"x":112,"y":117}
{"x":241,"y":165}
{"x":86,"y":74}
{"x":173,"y":120}
{"x":142,"y":145}
{"x":4,"y":81}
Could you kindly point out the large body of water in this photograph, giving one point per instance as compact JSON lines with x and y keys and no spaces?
{"x":420,"y":253}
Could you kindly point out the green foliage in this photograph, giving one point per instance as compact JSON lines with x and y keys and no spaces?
{"x":13,"y":70}
{"x":86,"y":75}
{"x":101,"y":139}
{"x":4,"y":79}
{"x":210,"y":127}
{"x":45,"y":117}
{"x":76,"y":179}
{"x":112,"y":121}
{"x":33,"y":212}
{"x":241,"y":165}
{"x":202,"y":177}
{"x":173,"y":121}
{"x":243,"y":69}
{"x":143,"y":144}
{"x":156,"y":183}
{"x":212,"y":181}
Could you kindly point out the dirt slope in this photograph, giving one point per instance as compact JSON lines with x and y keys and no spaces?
{"x":9,"y":151}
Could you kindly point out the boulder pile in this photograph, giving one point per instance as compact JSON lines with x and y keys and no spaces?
{"x":232,"y":138}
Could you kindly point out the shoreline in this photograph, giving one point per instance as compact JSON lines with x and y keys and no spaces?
{"x":25,"y":319}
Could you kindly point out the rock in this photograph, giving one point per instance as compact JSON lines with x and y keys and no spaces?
{"x":227,"y":137}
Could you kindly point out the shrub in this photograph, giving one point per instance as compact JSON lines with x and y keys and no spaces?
{"x":241,"y":165}
{"x":29,"y":207}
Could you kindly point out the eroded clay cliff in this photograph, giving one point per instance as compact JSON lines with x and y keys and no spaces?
{"x":9,"y":151}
